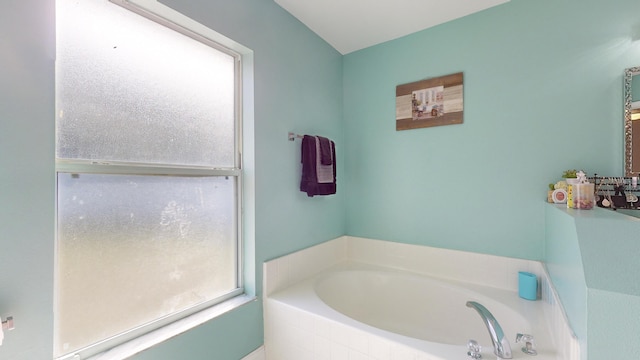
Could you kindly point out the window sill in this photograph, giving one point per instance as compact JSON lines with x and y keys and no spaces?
{"x":155,"y":337}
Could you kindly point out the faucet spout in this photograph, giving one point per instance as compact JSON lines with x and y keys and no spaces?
{"x":501,"y":347}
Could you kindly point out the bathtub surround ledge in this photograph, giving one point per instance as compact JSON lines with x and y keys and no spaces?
{"x":340,"y":342}
{"x":287,"y":270}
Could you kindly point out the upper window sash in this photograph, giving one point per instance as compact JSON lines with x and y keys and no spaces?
{"x":139,"y":9}
{"x":198,"y":113}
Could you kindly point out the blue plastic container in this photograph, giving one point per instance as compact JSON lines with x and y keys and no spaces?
{"x":527,"y":285}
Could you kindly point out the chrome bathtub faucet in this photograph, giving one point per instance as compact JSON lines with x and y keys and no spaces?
{"x":501,"y":347}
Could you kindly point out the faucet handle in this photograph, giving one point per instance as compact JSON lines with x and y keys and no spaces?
{"x":529,"y":346}
{"x":474,"y":349}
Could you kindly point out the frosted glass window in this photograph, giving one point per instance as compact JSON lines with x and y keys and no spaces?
{"x":148,"y":175}
{"x":132,"y":249}
{"x":130,"y":89}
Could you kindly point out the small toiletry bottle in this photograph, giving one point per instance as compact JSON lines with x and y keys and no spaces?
{"x":569,"y":195}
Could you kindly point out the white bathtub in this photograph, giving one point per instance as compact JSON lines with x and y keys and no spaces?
{"x":363,"y":312}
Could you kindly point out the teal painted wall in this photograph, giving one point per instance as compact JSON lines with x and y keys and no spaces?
{"x":563,"y":260}
{"x":591,"y":257}
{"x":609,"y":247}
{"x":542,"y":93}
{"x":613,"y":325}
{"x":297,"y":87}
{"x":27,"y":177}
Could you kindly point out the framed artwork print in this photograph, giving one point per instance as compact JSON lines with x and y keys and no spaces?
{"x":430,"y":102}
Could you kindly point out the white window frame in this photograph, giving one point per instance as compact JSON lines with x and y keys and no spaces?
{"x":140,"y":338}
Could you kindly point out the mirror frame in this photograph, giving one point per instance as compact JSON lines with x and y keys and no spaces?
{"x":628,"y":133}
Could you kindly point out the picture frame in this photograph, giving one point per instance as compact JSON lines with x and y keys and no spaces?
{"x":431,"y":102}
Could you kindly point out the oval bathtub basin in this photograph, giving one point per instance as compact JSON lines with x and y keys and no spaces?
{"x":384,"y":306}
{"x":416,"y":306}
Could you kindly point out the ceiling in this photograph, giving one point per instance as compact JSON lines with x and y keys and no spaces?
{"x":350,"y":25}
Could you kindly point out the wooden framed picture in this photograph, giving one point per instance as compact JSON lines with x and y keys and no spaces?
{"x":430,"y":102}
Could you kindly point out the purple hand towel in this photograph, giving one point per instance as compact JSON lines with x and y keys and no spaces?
{"x":325,"y":150}
{"x":324,"y":173}
{"x":309,"y":182}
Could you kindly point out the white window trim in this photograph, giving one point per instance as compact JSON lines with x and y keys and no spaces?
{"x":139,"y":342}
